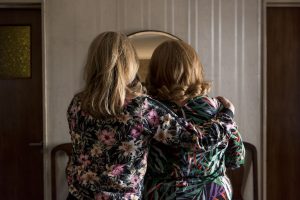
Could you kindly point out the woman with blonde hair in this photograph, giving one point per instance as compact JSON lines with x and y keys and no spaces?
{"x":111,"y":124}
{"x":176,"y":79}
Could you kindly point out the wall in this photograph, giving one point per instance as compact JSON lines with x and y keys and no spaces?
{"x":225,"y":33}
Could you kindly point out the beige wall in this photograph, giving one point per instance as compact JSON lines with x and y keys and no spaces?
{"x":225,"y":33}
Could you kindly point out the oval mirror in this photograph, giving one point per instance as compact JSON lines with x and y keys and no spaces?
{"x":145,"y":42}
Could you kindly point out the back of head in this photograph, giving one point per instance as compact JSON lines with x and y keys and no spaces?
{"x":175,"y":72}
{"x":110,"y":69}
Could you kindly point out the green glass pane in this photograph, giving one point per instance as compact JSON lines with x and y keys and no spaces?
{"x":15,"y":52}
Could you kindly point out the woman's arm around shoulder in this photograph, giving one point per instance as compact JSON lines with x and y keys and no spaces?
{"x":168,"y":128}
{"x":235,"y":152}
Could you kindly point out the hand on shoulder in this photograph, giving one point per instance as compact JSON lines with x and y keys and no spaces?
{"x":226,"y":103}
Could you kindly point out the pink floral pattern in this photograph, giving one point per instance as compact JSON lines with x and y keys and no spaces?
{"x":115,"y":170}
{"x":153,"y":117}
{"x":109,"y":157}
{"x":107,"y":137}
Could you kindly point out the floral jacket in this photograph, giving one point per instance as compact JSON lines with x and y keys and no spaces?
{"x":109,"y":156}
{"x":178,"y":173}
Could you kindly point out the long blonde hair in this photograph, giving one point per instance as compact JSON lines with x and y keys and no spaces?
{"x":176,"y":73}
{"x":110,"y":71}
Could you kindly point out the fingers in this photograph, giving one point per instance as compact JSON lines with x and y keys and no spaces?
{"x":224,"y":100}
{"x":226,"y":103}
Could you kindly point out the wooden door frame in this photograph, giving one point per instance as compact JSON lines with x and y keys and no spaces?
{"x":267,"y":4}
{"x":38,"y":4}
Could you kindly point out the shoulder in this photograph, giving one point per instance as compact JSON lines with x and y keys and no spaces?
{"x":150,"y":104}
{"x":75,"y":100}
{"x":144,"y":101}
{"x":74,"y":105}
{"x":205,"y":102}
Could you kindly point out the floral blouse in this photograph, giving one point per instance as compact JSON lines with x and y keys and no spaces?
{"x":109,"y":156}
{"x":177,"y":173}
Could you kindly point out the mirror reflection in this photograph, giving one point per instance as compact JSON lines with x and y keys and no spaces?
{"x":145,"y":42}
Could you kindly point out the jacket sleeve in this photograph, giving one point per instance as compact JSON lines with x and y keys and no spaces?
{"x":235,"y":152}
{"x":168,"y":128}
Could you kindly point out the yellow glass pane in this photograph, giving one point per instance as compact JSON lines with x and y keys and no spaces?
{"x":15,"y":52}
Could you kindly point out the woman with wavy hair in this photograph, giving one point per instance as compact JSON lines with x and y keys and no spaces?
{"x":111,"y":124}
{"x":176,"y":79}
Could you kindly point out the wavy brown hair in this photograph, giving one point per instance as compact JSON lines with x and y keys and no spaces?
{"x":110,"y":73}
{"x":176,"y":73}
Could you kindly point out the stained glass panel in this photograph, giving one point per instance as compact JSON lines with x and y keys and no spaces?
{"x":15,"y":52}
